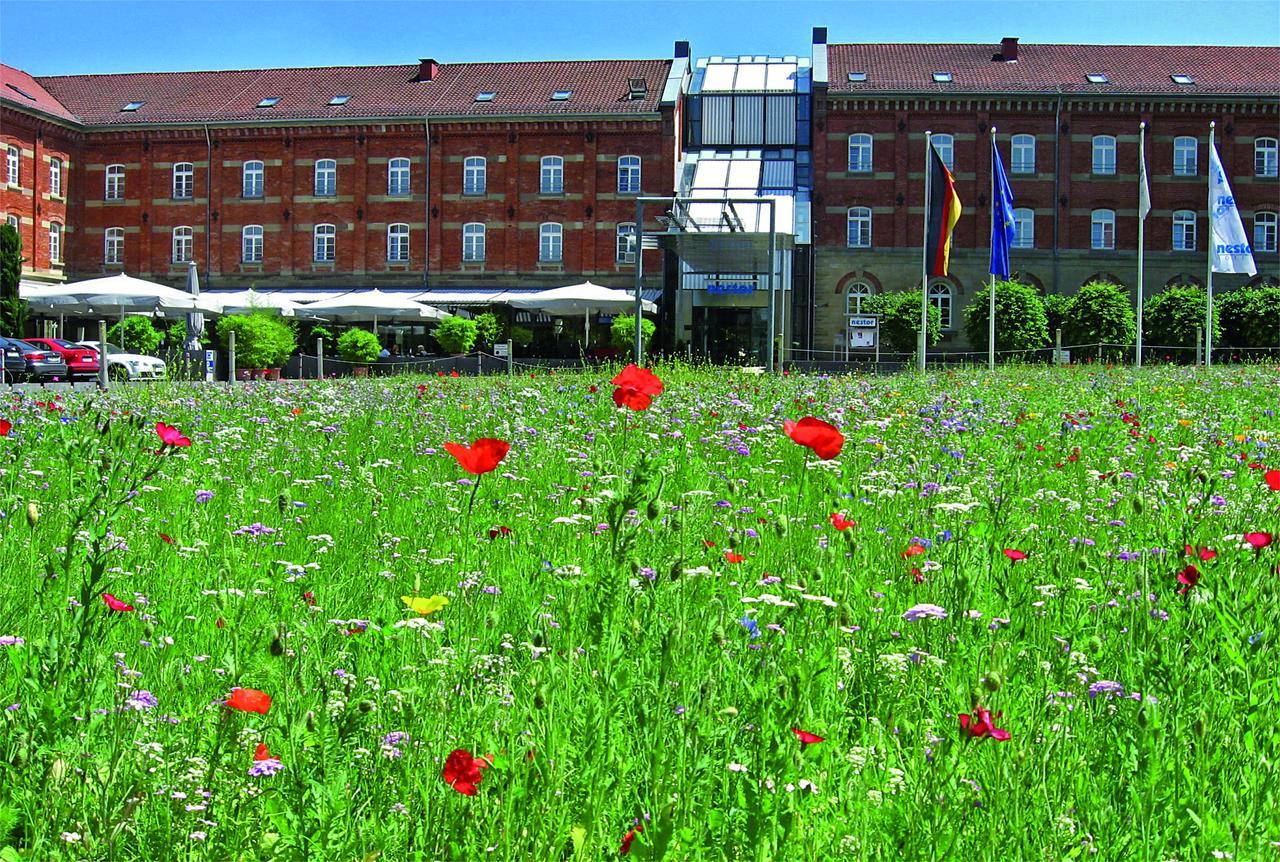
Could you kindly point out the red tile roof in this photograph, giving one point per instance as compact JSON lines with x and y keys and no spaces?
{"x":598,"y":87}
{"x":1138,"y":69}
{"x":18,"y":87}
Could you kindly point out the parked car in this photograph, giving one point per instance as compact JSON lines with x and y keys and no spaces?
{"x":81,"y":361}
{"x":15,"y":367}
{"x":40,"y":363}
{"x":129,"y":366}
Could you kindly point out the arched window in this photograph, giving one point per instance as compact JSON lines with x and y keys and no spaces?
{"x":251,"y":243}
{"x":55,"y":177}
{"x":115,"y":183}
{"x":859,"y":153}
{"x":1024,"y":228}
{"x":326,"y":177}
{"x":474,"y":175}
{"x":1184,"y":156}
{"x":183,"y":237}
{"x":398,"y":178}
{"x":1264,"y":231}
{"x":325,"y":240}
{"x":1022,"y":154}
{"x":251,"y":185}
{"x":940,"y":297}
{"x":1184,"y":230}
{"x":628,"y":175}
{"x":550,"y":243}
{"x":1102,"y":233}
{"x":1265,"y":151}
{"x":626,"y":251}
{"x":946,"y":147}
{"x":859,"y":227}
{"x":854,"y":296}
{"x":13,"y":162}
{"x":551,"y":181}
{"x":113,"y":246}
{"x":398,"y":243}
{"x":183,"y":181}
{"x":473,"y":242}
{"x":1104,"y":154}
{"x":55,"y":242}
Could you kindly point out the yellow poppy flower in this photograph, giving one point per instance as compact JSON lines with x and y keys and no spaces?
{"x":423,"y":606}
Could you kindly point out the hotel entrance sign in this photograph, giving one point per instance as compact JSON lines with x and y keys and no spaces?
{"x":730,"y":288}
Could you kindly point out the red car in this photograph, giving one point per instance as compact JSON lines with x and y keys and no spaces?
{"x":81,"y":361}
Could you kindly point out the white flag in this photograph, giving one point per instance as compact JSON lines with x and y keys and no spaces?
{"x":1228,"y":243}
{"x":1144,"y":193}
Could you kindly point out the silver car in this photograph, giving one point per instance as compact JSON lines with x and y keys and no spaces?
{"x":129,"y":366}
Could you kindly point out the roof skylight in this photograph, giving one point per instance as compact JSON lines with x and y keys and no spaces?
{"x":1097,"y":78}
{"x":857,"y":77}
{"x":21,"y":92}
{"x":339,"y":100}
{"x":269,"y":102}
{"x":133,"y":106}
{"x":1183,"y":80}
{"x":561,"y":95}
{"x":485,"y":96}
{"x":942,"y":77}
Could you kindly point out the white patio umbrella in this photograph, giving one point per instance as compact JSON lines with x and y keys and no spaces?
{"x":249,"y":301}
{"x":117,"y":293}
{"x":373,"y":305}
{"x":585,"y":299}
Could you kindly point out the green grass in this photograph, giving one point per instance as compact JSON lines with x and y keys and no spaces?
{"x":598,"y":651}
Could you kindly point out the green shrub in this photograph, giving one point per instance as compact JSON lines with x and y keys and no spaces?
{"x":1250,"y":316}
{"x":13,"y":309}
{"x":1055,"y":311}
{"x":521,"y":336}
{"x":1021,"y":322}
{"x":1099,"y":312}
{"x":359,"y":346}
{"x":456,"y":334}
{"x":326,"y":336}
{"x":1170,"y":318}
{"x":135,"y":335}
{"x":622,"y":332}
{"x":488,"y":328}
{"x":900,"y":320}
{"x":262,"y":340}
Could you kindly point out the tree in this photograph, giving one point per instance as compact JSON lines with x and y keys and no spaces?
{"x":1099,"y":313}
{"x":262,"y":340}
{"x":622,"y":332}
{"x":488,"y":329}
{"x":13,"y":309}
{"x":456,"y":334}
{"x":1021,"y":322}
{"x":1171,"y":317}
{"x":900,"y":320}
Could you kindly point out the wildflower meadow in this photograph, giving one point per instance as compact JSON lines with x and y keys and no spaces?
{"x":672,"y":613}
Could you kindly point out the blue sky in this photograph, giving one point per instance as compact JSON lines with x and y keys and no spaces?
{"x":166,"y":35}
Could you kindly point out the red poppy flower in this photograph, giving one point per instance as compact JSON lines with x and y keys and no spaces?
{"x":731,"y":557}
{"x":167,"y":539}
{"x":822,"y":437}
{"x":1014,"y":555}
{"x":807,"y":738}
{"x":171,"y":436}
{"x":1205,"y":554}
{"x":480,"y":457}
{"x":913,"y":551}
{"x":310,"y":598}
{"x":1188,"y":577}
{"x":628,"y":838}
{"x":5,"y":427}
{"x":593,"y":389}
{"x":636,"y":388}
{"x":463,"y":772}
{"x":115,"y":604}
{"x":841,"y":523}
{"x":981,"y":724}
{"x":707,"y":543}
{"x":917,"y":575}
{"x":1272,"y":478}
{"x":499,"y":531}
{"x":261,"y":753}
{"x":249,"y":700}
{"x":1258,"y":540}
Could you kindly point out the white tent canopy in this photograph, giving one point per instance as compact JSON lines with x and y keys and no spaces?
{"x":116,"y":294}
{"x":249,"y":301}
{"x":373,"y":305}
{"x":585,"y":299}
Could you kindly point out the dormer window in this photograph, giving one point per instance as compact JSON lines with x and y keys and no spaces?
{"x":1183,"y":80}
{"x":1097,"y":78}
{"x":268,"y":103}
{"x":485,"y":96}
{"x":942,"y":78}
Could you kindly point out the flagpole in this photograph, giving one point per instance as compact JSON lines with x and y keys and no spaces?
{"x":1208,"y":280}
{"x":924,"y":256}
{"x":991,"y":301}
{"x":1142,"y":158}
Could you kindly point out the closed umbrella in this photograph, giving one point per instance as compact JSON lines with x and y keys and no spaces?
{"x":195,"y":319}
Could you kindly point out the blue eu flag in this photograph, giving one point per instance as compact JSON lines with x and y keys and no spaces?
{"x":1002,"y":227}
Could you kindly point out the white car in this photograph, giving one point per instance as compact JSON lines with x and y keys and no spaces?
{"x":129,"y":366}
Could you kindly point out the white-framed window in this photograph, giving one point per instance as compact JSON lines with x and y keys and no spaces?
{"x":628,"y":175}
{"x":1104,"y":154}
{"x":551,"y":177}
{"x":253,"y":179}
{"x":251,"y":243}
{"x":473,"y":242}
{"x":113,"y":246}
{"x":183,"y":238}
{"x":1102,"y":232}
{"x":858,"y":293}
{"x":1264,"y":231}
{"x":398,"y":177}
{"x":1184,"y":230}
{"x":324,"y":243}
{"x":550,"y":243}
{"x":398,"y":243}
{"x":626,"y":239}
{"x":859,"y":235}
{"x":1024,"y":227}
{"x":475,"y":175}
{"x":860,"y":153}
{"x":55,"y":177}
{"x":55,"y":242}
{"x":12,"y":221}
{"x":114,"y":190}
{"x":184,"y":182}
{"x":1184,"y":156}
{"x":1022,"y":154}
{"x":1265,"y":151}
{"x":946,"y":147}
{"x":13,"y":162}
{"x":326,"y":178}
{"x":940,"y":296}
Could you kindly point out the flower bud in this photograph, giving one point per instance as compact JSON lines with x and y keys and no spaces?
{"x":992,"y":681}
{"x":33,"y":514}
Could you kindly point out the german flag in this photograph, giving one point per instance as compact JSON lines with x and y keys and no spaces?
{"x":943,"y":213}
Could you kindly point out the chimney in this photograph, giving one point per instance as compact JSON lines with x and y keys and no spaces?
{"x":1009,"y":49}
{"x":428,"y":69}
{"x":682,"y":50}
{"x":819,"y":35}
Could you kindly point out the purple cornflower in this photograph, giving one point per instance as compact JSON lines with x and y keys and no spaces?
{"x":203,"y":496}
{"x":924,"y":612}
{"x":11,"y":640}
{"x":1107,"y":687}
{"x":270,"y":766}
{"x":752,"y":627}
{"x":141,"y":700}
